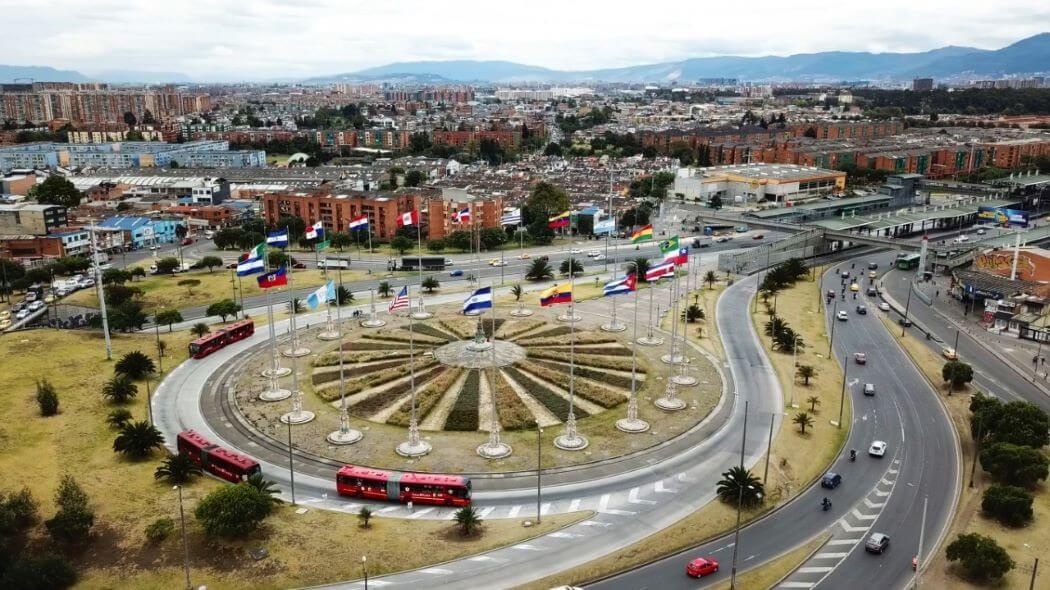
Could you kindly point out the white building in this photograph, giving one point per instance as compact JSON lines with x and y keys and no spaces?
{"x":781,"y":184}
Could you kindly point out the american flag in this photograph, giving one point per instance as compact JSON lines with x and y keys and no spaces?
{"x":401,"y":301}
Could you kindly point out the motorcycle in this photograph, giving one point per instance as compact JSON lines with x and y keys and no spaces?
{"x":826,"y":504}
{"x":852,"y":455}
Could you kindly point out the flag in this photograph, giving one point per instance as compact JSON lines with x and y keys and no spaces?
{"x":560,"y":220}
{"x":277,"y":278}
{"x":481,"y":299}
{"x":619,"y":286}
{"x":643,"y":234}
{"x":512,"y":218}
{"x":399,"y":302}
{"x":556,"y":294}
{"x":359,"y":223}
{"x":322,"y":245}
{"x":669,"y":245}
{"x":254,"y":262}
{"x":664,"y":269}
{"x":410,"y":218}
{"x":681,"y":256}
{"x":315,"y":231}
{"x":462,"y":216}
{"x":277,"y":239}
{"x":325,"y":292}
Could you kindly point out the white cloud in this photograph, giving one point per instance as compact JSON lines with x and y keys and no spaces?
{"x":223,"y":39}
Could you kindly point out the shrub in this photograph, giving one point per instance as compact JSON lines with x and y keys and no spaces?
{"x":160,"y":529}
{"x":233,"y":511}
{"x":40,"y":572}
{"x":46,"y":398}
{"x":464,"y":413}
{"x":513,"y":414}
{"x":17,"y":511}
{"x":119,"y":389}
{"x":468,"y":520}
{"x":118,"y":418}
{"x":137,"y":440}
{"x":956,"y":374}
{"x":1009,"y":505}
{"x":426,"y":397}
{"x":557,"y":405}
{"x":74,"y":518}
{"x":980,"y":556}
{"x":177,"y":469}
{"x":622,"y":381}
{"x":390,"y":395}
{"x":1014,"y":464}
{"x":364,"y":517}
{"x":593,"y":392}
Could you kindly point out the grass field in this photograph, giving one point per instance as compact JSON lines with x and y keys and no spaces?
{"x":1021,"y":543}
{"x":303,"y":549}
{"x":787,"y":477}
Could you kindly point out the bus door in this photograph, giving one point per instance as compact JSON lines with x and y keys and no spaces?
{"x":393,"y":486}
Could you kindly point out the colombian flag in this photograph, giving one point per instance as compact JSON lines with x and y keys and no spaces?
{"x":643,"y":234}
{"x":561,"y":220}
{"x":556,"y":294}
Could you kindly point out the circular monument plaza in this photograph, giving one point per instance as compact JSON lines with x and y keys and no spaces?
{"x":482,"y":384}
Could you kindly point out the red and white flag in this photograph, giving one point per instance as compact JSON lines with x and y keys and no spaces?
{"x":461,"y":216}
{"x":410,"y":218}
{"x":400,"y":301}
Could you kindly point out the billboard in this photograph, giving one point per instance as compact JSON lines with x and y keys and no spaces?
{"x":1002,"y":216}
{"x":605,"y":226}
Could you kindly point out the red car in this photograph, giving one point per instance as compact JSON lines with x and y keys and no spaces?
{"x":701,"y":566}
{"x":187,"y":241}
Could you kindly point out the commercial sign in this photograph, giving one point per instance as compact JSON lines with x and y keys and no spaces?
{"x":1002,"y":216}
{"x":605,"y":226}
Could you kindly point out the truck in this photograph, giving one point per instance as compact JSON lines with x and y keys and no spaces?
{"x":333,"y":262}
{"x":427,"y":262}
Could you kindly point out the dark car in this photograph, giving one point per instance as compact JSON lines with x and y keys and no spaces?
{"x":877,"y":543}
{"x":873,"y":266}
{"x":904,"y":322}
{"x":831,"y":294}
{"x":831,"y":480}
{"x":862,"y":310}
{"x":872,"y":292}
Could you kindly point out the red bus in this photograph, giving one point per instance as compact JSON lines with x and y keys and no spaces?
{"x":206,"y":345}
{"x":215,"y":459}
{"x":399,"y":486}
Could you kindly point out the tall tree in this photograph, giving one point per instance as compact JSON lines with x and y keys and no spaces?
{"x":56,"y":190}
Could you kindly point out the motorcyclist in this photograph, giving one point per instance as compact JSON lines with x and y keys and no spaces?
{"x":853,"y":454}
{"x":825,"y":503}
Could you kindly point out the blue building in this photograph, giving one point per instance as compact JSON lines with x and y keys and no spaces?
{"x":143,"y":232}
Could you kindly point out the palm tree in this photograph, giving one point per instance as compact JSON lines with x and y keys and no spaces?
{"x":813,"y":402}
{"x":118,"y":418}
{"x":693,"y":313}
{"x":787,"y":340}
{"x":119,"y":389}
{"x":517,"y":292}
{"x":710,"y":278}
{"x":136,"y":365}
{"x":138,"y":439}
{"x":199,"y":329}
{"x":738,"y":484}
{"x":774,"y":326}
{"x":639,"y":266}
{"x":803,"y":419}
{"x":343,"y":296}
{"x":266,"y":486}
{"x":577,"y":267}
{"x":430,"y":283}
{"x":364,"y":517}
{"x":807,"y":372}
{"x":384,"y":289}
{"x":177,"y":469}
{"x":539,"y":270}
{"x":468,"y":520}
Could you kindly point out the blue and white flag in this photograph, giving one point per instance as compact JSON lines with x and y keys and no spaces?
{"x":277,"y":239}
{"x":325,"y":292}
{"x":619,"y":286}
{"x":481,"y":299}
{"x":512,"y":218}
{"x":254,"y":262}
{"x":315,"y":231}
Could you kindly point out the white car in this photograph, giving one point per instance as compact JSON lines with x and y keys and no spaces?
{"x":36,"y":305}
{"x":61,"y":292}
{"x":842,"y":315}
{"x":85,"y":283}
{"x":22,"y":314}
{"x":877,"y":449}
{"x":884,"y":306}
{"x":593,"y":253}
{"x":575,"y":251}
{"x":980,"y":232}
{"x":599,"y":257}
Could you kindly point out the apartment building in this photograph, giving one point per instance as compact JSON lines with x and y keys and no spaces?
{"x":336,"y":210}
{"x":129,"y":154}
{"x":484,"y":212}
{"x":95,"y":103}
{"x":31,"y":219}
{"x":782,"y":184}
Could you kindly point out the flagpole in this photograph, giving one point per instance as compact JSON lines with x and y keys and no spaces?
{"x":632,"y":423}
{"x":373,"y":320}
{"x":422,"y":314}
{"x":615,"y":325}
{"x":681,"y":378}
{"x":275,"y":392}
{"x":650,"y":339}
{"x":670,"y":401}
{"x":298,"y":415}
{"x":495,"y":448}
{"x":571,"y":440}
{"x":345,"y":435}
{"x":414,"y":446}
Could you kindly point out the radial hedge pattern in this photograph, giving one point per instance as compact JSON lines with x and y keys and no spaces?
{"x":528,"y":374}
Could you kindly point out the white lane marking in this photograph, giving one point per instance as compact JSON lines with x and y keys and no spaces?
{"x":845,"y":541}
{"x":814,"y":570}
{"x":852,"y":529}
{"x":796,"y":585}
{"x":603,"y":502}
{"x":486,"y":511}
{"x":886,"y":482}
{"x":545,"y":508}
{"x":574,"y":505}
{"x":436,"y":571}
{"x":514,"y":510}
{"x":562,"y":535}
{"x":830,"y":555}
{"x":632,"y":497}
{"x":871,"y":504}
{"x":881,"y":493}
{"x":420,"y":513}
{"x":526,"y":547}
{"x":685,"y":478}
{"x":596,"y":523}
{"x":660,"y":489}
{"x":388,"y":509}
{"x":857,"y":514}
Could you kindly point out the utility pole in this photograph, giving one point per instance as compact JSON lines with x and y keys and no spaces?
{"x":185,"y":544}
{"x":769,"y":448}
{"x":539,"y":469}
{"x":922,"y":532}
{"x":842,"y":395}
{"x":101,"y":293}
{"x":907,"y":306}
{"x":740,"y":499}
{"x":291,"y":464}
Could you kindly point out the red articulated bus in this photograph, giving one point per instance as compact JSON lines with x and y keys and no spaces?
{"x":206,"y":345}
{"x":215,"y":459}
{"x":398,"y":486}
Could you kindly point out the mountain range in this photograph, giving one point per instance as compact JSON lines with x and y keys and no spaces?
{"x":1027,"y":56}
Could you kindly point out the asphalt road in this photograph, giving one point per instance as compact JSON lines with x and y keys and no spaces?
{"x":922,"y":457}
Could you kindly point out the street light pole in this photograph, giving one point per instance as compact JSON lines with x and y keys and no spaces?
{"x":955,"y":362}
{"x":185,"y":543}
{"x":831,"y":338}
{"x":539,"y":469}
{"x":842,"y":395}
{"x":740,"y":499}
{"x":907,"y":305}
{"x":364,"y":568}
{"x":291,"y":464}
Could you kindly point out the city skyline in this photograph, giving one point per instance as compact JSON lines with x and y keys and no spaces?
{"x":279,"y":39}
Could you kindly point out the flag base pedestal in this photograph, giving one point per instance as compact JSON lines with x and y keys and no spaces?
{"x":650,"y":341}
{"x":614,"y":326}
{"x":674,"y":359}
{"x":570,"y":317}
{"x":670,"y":404}
{"x":521,"y":312}
{"x":333,"y":335}
{"x":275,"y":395}
{"x":296,"y":352}
{"x":498,"y":450}
{"x":421,"y":315}
{"x":349,"y":437}
{"x":479,"y":346}
{"x":281,"y":372}
{"x":472,"y":313}
{"x":373,"y":323}
{"x":573,"y":442}
{"x":300,"y":417}
{"x":684,"y":380}
{"x":410,"y":449}
{"x":632,"y":426}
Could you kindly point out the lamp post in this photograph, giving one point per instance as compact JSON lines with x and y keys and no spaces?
{"x":539,"y":469}
{"x":185,"y":543}
{"x":831,"y":338}
{"x":842,"y":395}
{"x":740,"y":498}
{"x":907,"y":305}
{"x":364,"y":568}
{"x":955,"y":362}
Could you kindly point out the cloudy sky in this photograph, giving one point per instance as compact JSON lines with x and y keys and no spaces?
{"x":254,"y":39}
